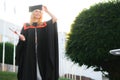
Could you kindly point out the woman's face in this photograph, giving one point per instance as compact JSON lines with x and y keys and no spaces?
{"x":37,"y":13}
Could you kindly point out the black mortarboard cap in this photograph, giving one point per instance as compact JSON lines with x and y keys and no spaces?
{"x":32,"y":8}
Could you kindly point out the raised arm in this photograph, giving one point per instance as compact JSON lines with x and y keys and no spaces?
{"x":54,"y":19}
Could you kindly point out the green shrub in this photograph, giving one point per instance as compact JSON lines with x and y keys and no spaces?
{"x":94,"y":33}
{"x":8,"y":52}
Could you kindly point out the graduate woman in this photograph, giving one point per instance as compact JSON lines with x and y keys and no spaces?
{"x":37,"y":48}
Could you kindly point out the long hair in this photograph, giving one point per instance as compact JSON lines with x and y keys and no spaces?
{"x":32,"y":18}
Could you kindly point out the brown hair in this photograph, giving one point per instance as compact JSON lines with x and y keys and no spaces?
{"x":32,"y":18}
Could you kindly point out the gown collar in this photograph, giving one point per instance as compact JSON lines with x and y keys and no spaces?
{"x":34,"y":25}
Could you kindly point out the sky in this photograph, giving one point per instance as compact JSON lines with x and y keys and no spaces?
{"x":64,"y":10}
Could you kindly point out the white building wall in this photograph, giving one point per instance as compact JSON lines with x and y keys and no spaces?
{"x":0,"y":38}
{"x":61,"y":39}
{"x":6,"y":34}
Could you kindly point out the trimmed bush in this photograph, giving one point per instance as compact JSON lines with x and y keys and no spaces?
{"x":8,"y":52}
{"x":94,"y":33}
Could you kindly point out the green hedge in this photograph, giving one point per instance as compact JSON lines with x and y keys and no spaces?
{"x":8,"y":52}
{"x":94,"y":33}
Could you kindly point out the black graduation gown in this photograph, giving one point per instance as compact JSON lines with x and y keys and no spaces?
{"x":47,"y":53}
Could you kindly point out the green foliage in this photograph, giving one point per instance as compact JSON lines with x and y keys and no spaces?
{"x":94,"y":33}
{"x":8,"y":52}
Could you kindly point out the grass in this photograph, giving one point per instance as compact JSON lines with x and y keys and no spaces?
{"x":8,"y":76}
{"x":13,"y":76}
{"x":64,"y":79}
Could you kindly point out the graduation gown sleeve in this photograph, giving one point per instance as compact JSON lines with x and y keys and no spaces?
{"x":53,"y":50}
{"x":20,"y":49}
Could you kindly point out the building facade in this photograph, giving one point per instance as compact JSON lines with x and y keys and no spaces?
{"x":6,"y":35}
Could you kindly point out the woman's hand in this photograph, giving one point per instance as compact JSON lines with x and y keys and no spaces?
{"x":44,"y":8}
{"x":22,"y":37}
{"x":54,"y":19}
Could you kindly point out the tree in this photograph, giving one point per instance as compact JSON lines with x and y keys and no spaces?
{"x":95,"y":32}
{"x":8,"y":52}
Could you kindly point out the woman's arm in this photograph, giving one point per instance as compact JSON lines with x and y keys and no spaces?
{"x":54,"y":19}
{"x":21,"y":35}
